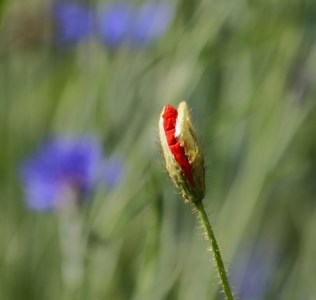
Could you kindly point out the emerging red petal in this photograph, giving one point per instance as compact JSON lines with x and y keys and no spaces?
{"x":169,"y":123}
{"x":171,"y":140}
{"x":169,"y":117}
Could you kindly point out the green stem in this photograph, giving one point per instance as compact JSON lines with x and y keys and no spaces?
{"x":217,"y":255}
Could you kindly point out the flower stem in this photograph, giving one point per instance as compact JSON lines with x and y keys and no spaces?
{"x":217,"y":255}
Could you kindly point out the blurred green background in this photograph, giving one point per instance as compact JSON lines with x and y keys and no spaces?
{"x":248,"y":71}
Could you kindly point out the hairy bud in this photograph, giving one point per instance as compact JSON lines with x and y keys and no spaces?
{"x":183,"y":157}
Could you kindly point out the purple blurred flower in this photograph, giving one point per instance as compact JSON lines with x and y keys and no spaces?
{"x":121,"y":23}
{"x":152,"y":21}
{"x":74,"y":22}
{"x":66,"y":164}
{"x":252,"y":271}
{"x":114,"y":24}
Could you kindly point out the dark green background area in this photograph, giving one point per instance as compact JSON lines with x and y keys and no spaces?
{"x":248,"y":71}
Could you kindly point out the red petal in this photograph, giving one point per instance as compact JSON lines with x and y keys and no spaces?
{"x":169,"y":124}
{"x":170,"y":117}
{"x":183,"y":161}
{"x":171,"y":140}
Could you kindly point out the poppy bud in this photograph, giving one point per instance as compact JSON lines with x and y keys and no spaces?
{"x":183,"y":157}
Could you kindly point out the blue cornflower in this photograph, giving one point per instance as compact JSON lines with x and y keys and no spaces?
{"x":152,"y":21}
{"x":253,"y":271}
{"x":121,"y":23}
{"x":64,"y":165}
{"x":114,"y":23}
{"x":73,"y":21}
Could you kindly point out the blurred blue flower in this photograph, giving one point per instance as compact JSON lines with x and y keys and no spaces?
{"x":73,"y":21}
{"x":120,"y":23}
{"x":252,"y":271}
{"x":66,"y":164}
{"x":114,"y":23}
{"x":152,"y":21}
